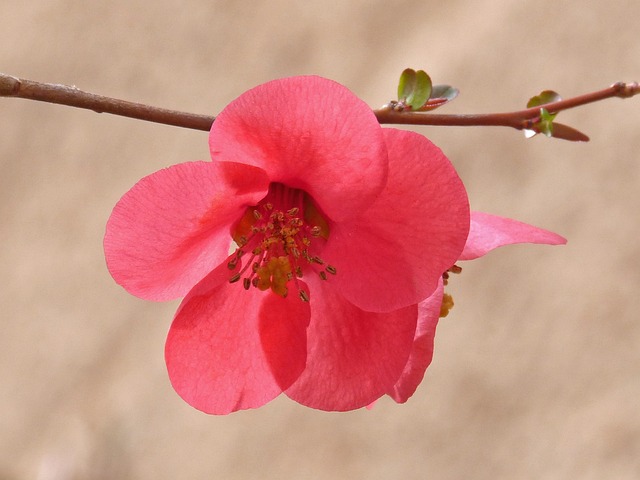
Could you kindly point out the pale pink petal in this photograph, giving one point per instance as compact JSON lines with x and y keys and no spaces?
{"x":354,"y":357}
{"x":221,"y":349}
{"x":393,"y":255}
{"x":172,"y":227}
{"x":490,"y":231}
{"x":308,"y":133}
{"x":422,"y":351}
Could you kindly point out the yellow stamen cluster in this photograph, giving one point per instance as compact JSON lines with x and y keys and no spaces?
{"x":274,"y":274}
{"x":279,"y":242}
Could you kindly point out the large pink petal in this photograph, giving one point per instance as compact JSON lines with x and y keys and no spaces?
{"x":308,"y":133}
{"x":394,"y":254}
{"x":172,"y":227}
{"x":354,"y":357}
{"x":229,"y":349}
{"x":490,"y":231}
{"x":422,"y":351}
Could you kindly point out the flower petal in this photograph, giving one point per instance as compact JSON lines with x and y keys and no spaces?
{"x":422,"y":351}
{"x":172,"y":227}
{"x":490,"y":231}
{"x":308,"y":133}
{"x":221,"y":350}
{"x":353,"y":356}
{"x":394,"y":254}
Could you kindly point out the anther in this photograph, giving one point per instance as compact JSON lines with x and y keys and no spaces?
{"x":293,"y":211}
{"x":323,"y":275}
{"x":246,"y":283}
{"x":234,"y":278}
{"x":446,"y":306}
{"x":303,"y":296}
{"x":331,"y":269}
{"x":257,"y":215}
{"x":315,"y":231}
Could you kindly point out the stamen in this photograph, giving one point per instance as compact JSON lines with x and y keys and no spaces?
{"x":233,"y":263}
{"x":447,"y":300}
{"x":279,"y":234}
{"x":447,"y":305}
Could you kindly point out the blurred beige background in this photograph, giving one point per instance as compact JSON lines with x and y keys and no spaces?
{"x":537,"y":370}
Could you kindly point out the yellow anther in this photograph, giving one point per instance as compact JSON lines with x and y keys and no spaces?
{"x":447,"y":305}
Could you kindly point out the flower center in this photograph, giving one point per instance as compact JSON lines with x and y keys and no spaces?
{"x":282,"y":235}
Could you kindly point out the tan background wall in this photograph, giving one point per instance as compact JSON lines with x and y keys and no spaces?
{"x":537,"y":370}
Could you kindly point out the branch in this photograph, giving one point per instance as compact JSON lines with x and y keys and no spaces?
{"x":66,"y":95}
{"x":74,"y":97}
{"x":520,"y":120}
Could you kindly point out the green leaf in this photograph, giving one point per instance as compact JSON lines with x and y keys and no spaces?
{"x":414,"y":88}
{"x":440,"y":95}
{"x":406,"y":84}
{"x":544,"y":98}
{"x":545,"y":125}
{"x":444,"y":91}
{"x":566,"y":132}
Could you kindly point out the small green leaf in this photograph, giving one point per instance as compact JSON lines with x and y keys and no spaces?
{"x":406,"y":85}
{"x":545,"y":97}
{"x":545,"y":125}
{"x":566,"y":132}
{"x":422,"y":92}
{"x":444,"y":91}
{"x":414,"y":88}
{"x":440,"y":95}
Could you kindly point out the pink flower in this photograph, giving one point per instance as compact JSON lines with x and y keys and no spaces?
{"x":342,"y":233}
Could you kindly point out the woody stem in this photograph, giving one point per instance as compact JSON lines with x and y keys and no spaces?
{"x":11,"y":86}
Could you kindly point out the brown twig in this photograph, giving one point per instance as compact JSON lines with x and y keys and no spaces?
{"x":519,"y":120}
{"x":74,"y":97}
{"x":66,"y":95}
